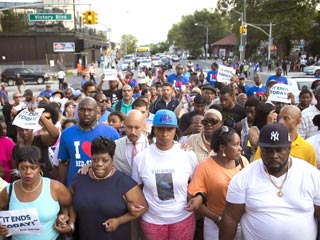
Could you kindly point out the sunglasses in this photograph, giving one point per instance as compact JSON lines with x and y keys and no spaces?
{"x":212,"y":121}
{"x":103,"y":100}
{"x":92,"y":92}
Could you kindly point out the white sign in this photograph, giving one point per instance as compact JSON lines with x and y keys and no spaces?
{"x":63,"y":47}
{"x":279,"y":93}
{"x":110,"y":74}
{"x":225,"y":73}
{"x":28,"y":120}
{"x":25,"y":221}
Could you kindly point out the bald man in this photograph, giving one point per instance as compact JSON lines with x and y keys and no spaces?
{"x":290,"y":117}
{"x":135,"y":141}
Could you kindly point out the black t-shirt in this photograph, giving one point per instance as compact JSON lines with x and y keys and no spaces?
{"x":115,"y":96}
{"x":237,"y":113}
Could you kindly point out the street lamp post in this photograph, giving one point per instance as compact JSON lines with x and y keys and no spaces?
{"x":207,"y":38}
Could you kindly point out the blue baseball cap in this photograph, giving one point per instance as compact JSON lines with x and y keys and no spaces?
{"x":165,"y":118}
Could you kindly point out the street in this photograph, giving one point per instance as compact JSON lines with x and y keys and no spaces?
{"x":74,"y":81}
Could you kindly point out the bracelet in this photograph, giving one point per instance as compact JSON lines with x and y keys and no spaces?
{"x":71,"y":226}
{"x":204,"y":198}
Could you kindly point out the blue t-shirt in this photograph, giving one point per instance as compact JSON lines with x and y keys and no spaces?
{"x":212,"y":77}
{"x":75,"y":145}
{"x":281,"y":79}
{"x":174,"y":79}
{"x":255,"y":90}
{"x":46,"y":94}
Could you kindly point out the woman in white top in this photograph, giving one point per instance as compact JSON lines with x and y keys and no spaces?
{"x":164,"y":170}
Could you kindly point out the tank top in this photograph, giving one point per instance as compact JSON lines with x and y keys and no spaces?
{"x":47,"y":209}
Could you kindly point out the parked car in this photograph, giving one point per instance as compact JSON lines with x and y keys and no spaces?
{"x":297,"y":84}
{"x":127,"y":65}
{"x":312,"y":68}
{"x":156,"y":61}
{"x":9,"y":75}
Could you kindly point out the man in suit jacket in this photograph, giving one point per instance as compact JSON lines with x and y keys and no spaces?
{"x":135,"y":141}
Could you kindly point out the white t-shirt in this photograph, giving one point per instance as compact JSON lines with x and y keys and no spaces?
{"x":165,"y":176}
{"x":268,"y":216}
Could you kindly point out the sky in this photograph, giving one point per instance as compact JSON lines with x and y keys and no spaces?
{"x":148,"y":20}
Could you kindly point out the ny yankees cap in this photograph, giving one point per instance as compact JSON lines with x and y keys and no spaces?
{"x":274,"y":136}
{"x":165,"y":118}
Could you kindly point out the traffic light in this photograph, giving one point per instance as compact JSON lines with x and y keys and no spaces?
{"x":85,"y":17}
{"x":244,"y":29}
{"x":94,"y":17}
{"x":89,"y":16}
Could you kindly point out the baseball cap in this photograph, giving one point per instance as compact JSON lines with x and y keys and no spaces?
{"x":274,"y":136}
{"x":77,"y":93}
{"x":208,"y":87}
{"x":165,"y":118}
{"x":199,"y":99}
{"x":48,"y":85}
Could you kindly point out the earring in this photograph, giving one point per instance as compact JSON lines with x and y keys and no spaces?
{"x":223,"y":154}
{"x":41,"y":173}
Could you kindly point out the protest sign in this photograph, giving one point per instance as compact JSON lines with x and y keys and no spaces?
{"x":225,"y":74}
{"x":28,"y":120}
{"x":24,"y":221}
{"x":279,"y":93}
{"x":110,"y":74}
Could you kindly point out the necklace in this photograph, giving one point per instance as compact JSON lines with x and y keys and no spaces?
{"x":280,"y":192}
{"x":102,"y":178}
{"x":30,"y":191}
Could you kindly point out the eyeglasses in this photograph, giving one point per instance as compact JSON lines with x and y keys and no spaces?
{"x":103,"y":101}
{"x":212,"y":121}
{"x":224,"y":129}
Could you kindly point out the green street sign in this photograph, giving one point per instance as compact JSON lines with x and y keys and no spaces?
{"x":34,"y":17}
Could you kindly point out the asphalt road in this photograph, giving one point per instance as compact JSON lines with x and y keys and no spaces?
{"x":74,"y":81}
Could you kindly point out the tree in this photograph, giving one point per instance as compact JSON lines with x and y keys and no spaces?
{"x":188,"y":36}
{"x":292,"y":18}
{"x":159,"y":48}
{"x":128,"y":44}
{"x":13,"y":22}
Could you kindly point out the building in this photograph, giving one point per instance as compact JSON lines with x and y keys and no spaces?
{"x":46,"y":33}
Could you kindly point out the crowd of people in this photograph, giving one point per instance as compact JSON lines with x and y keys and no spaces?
{"x":180,"y":156}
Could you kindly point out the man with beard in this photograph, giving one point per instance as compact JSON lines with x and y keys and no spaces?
{"x":276,"y":197}
{"x":75,"y":141}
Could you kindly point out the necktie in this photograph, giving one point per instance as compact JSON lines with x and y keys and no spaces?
{"x":134,"y":152}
